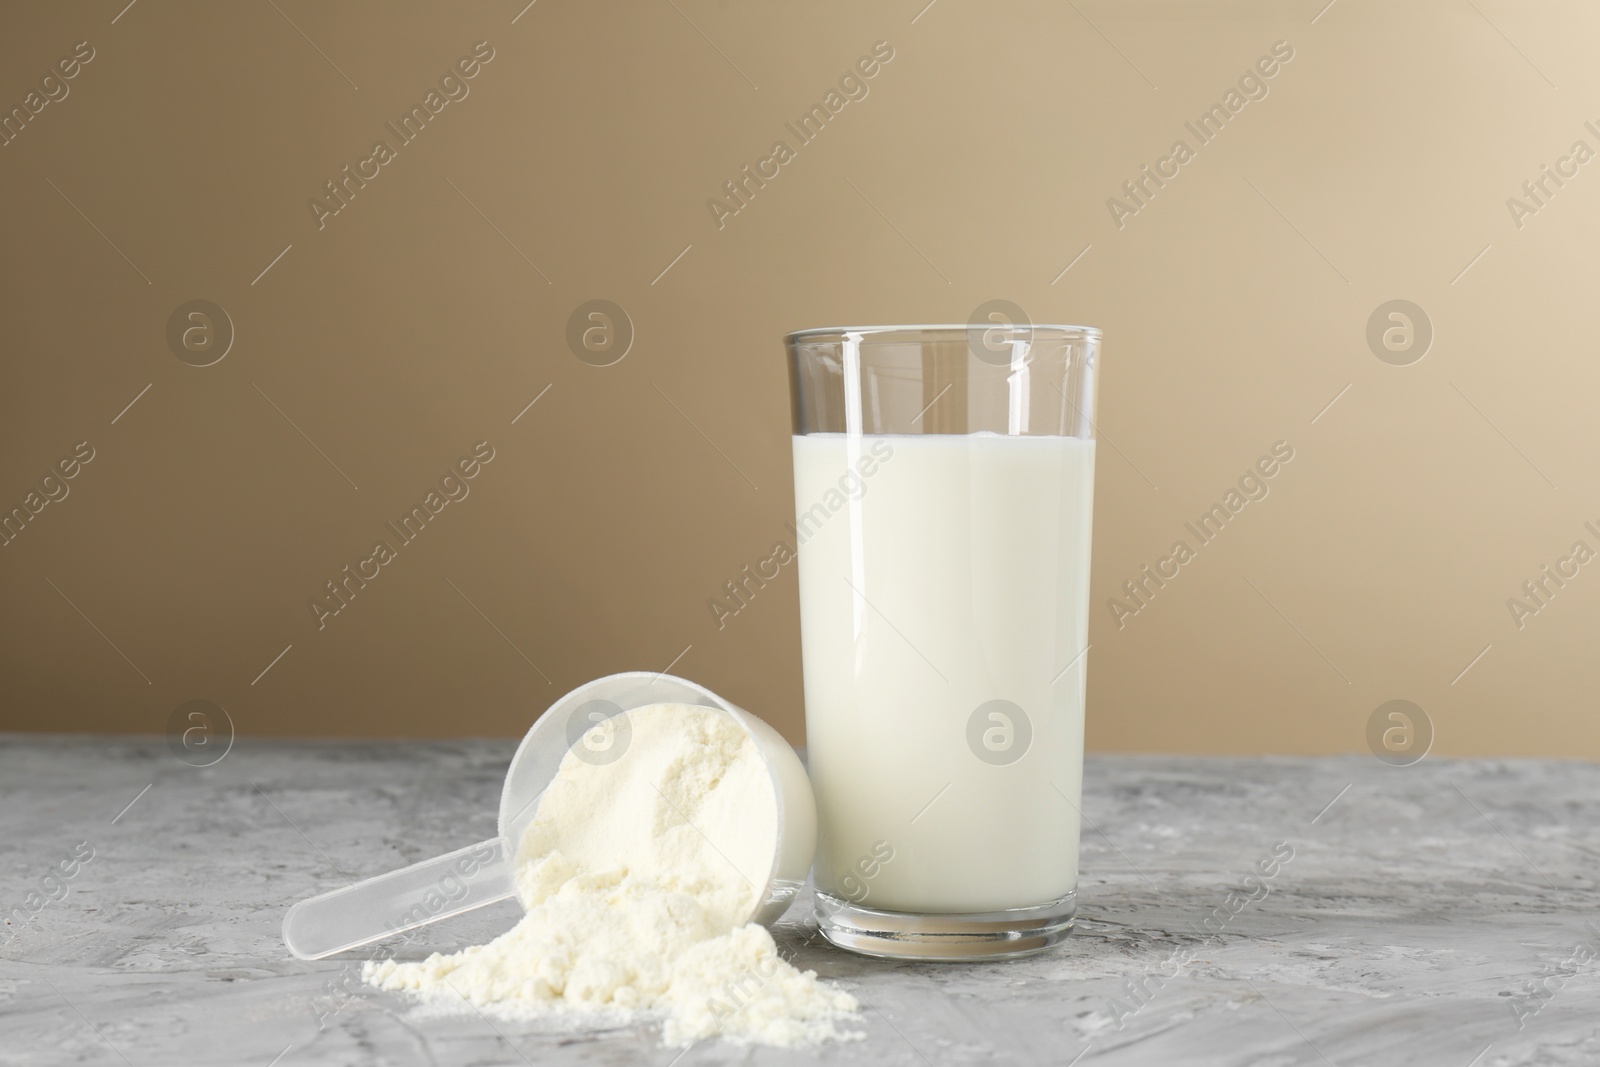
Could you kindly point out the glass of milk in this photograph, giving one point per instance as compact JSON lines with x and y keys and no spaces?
{"x":944,"y":492}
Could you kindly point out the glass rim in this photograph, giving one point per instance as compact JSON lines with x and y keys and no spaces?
{"x":1061,"y":331}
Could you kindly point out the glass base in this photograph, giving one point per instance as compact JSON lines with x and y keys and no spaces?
{"x":989,"y":935}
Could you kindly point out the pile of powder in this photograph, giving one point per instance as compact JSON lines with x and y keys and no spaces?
{"x":638,"y":877}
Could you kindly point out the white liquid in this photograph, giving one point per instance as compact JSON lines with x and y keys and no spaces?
{"x":958,"y":575}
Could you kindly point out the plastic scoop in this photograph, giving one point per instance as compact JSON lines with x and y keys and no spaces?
{"x":590,"y":718}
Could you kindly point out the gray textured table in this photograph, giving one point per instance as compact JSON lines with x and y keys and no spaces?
{"x":1426,"y":912}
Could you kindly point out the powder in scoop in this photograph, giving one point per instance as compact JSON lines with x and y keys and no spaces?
{"x":638,"y":877}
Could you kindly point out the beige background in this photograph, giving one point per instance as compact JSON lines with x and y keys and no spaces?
{"x":1234,"y":306}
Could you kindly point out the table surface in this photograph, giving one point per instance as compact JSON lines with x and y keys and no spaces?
{"x":1443,"y":913}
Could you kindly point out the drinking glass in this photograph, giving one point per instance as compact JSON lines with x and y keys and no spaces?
{"x":944,"y":488}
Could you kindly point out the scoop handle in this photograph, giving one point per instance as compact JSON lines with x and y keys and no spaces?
{"x":401,"y":900}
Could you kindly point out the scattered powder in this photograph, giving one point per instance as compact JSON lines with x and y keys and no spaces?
{"x":638,"y":877}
